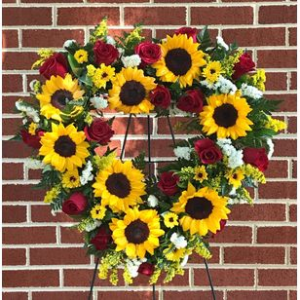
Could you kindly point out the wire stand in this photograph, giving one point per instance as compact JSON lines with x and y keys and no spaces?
{"x":149,"y":162}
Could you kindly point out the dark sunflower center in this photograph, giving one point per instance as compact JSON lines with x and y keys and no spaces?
{"x":132,"y":93}
{"x":178,"y":61}
{"x":137,"y":232}
{"x":234,"y":176}
{"x":59,"y":98}
{"x":118,"y":184}
{"x":72,"y":178}
{"x":65,"y":146}
{"x":171,"y":220}
{"x":198,"y":208}
{"x":225,"y":115}
{"x":200,"y":175}
{"x":212,"y":71}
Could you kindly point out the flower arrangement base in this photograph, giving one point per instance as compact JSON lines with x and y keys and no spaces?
{"x":149,"y":162}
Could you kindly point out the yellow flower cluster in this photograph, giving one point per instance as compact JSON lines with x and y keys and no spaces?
{"x":101,"y":76}
{"x":275,"y":125}
{"x":230,"y":61}
{"x":51,"y":195}
{"x":43,"y":54}
{"x":202,"y":250}
{"x":100,"y":31}
{"x":32,"y":128}
{"x":254,"y":173}
{"x":259,"y":79}
{"x":81,"y":56}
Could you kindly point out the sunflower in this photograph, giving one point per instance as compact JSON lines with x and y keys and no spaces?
{"x":181,"y":60}
{"x":200,"y":174}
{"x":130,"y":91}
{"x":203,"y":210}
{"x":71,"y":179}
{"x":81,"y":56}
{"x":174,"y":254}
{"x":137,"y":233}
{"x":120,"y":185}
{"x":212,"y":71}
{"x":170,"y":220}
{"x":55,"y":95}
{"x":235,"y":177}
{"x":101,"y":76}
{"x":98,"y":212}
{"x":226,"y":115}
{"x":64,"y":148}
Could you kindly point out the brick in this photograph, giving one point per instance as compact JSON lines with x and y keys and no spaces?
{"x":28,"y":235}
{"x":10,"y":39}
{"x":293,"y":36}
{"x":191,"y":295}
{"x":187,"y":1}
{"x":255,"y":37}
{"x":147,"y":33}
{"x":12,"y":171}
{"x":15,"y":296}
{"x":114,"y":144}
{"x":8,"y":103}
{"x":155,"y":15}
{"x":51,"y":1}
{"x":293,"y":255}
{"x":11,"y":126}
{"x":70,"y":236}
{"x":14,"y":213}
{"x":277,"y":14}
{"x":42,"y":213}
{"x":276,"y":58}
{"x":230,"y":277}
{"x":124,"y":295}
{"x":13,"y":257}
{"x":19,"y":61}
{"x":292,"y":125}
{"x":276,"y":81}
{"x":12,"y":192}
{"x":278,"y":190}
{"x":137,"y":125}
{"x":13,"y":16}
{"x":30,"y":278}
{"x":293,"y":81}
{"x":221,"y":15}
{"x":163,"y":126}
{"x":277,"y":169}
{"x":196,"y":259}
{"x":285,"y":147}
{"x":254,"y":255}
{"x":50,"y":38}
{"x":277,"y":235}
{"x":294,"y":168}
{"x":12,"y":83}
{"x":87,"y":15}
{"x":289,"y":103}
{"x":233,"y":234}
{"x":34,"y":174}
{"x":293,"y":295}
{"x":257,"y":295}
{"x":58,"y":256}
{"x":258,"y":212}
{"x":162,"y":33}
{"x":59,"y":295}
{"x":281,"y":277}
{"x":16,"y":149}
{"x":119,"y":1}
{"x":293,"y":213}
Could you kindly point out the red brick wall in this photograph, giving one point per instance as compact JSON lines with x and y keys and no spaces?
{"x":255,"y":256}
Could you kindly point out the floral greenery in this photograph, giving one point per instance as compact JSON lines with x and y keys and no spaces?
{"x":148,"y":225}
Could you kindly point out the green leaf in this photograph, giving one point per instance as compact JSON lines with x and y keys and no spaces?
{"x":77,"y":70}
{"x":86,"y":80}
{"x":203,"y":38}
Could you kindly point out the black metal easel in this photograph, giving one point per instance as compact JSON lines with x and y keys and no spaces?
{"x":149,"y":162}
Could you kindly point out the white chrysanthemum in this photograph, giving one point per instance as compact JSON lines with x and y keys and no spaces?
{"x":131,"y":61}
{"x":68,"y":43}
{"x":28,"y":111}
{"x":185,"y":260}
{"x":183,"y":152}
{"x":34,"y":164}
{"x":221,"y":43}
{"x":121,"y":51}
{"x":251,"y":91}
{"x":271,"y":148}
{"x":87,"y":174}
{"x":133,"y":266}
{"x":178,"y":240}
{"x":235,"y":159}
{"x":110,"y":40}
{"x":152,"y":201}
{"x":208,"y":84}
{"x":225,"y":86}
{"x":90,"y":226}
{"x":99,"y":102}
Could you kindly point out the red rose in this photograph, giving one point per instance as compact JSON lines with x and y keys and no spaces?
{"x":33,"y":141}
{"x":146,"y":269}
{"x":244,"y":66}
{"x":75,"y":205}
{"x":99,"y":131}
{"x":105,"y":53}
{"x":189,"y":31}
{"x":160,"y":96}
{"x":192,"y":101}
{"x":148,"y":52}
{"x":55,"y":65}
{"x":102,"y":239}
{"x":222,"y":226}
{"x":256,"y":157}
{"x":168,"y":183}
{"x":208,"y":152}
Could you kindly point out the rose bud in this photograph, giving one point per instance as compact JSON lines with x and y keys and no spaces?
{"x":256,"y":157}
{"x":102,"y":239}
{"x":168,"y":183}
{"x":207,"y":151}
{"x":99,"y":131}
{"x":244,"y":66}
{"x":55,"y":65}
{"x":192,"y":101}
{"x":160,"y":97}
{"x":189,"y":31}
{"x":105,"y":53}
{"x":75,"y":205}
{"x":222,"y":226}
{"x":146,"y":269}
{"x":148,"y":52}
{"x":33,"y":141}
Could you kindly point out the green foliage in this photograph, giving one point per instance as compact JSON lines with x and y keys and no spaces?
{"x":204,"y":39}
{"x":139,"y":161}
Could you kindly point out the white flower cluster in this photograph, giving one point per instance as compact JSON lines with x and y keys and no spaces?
{"x":271,"y":148}
{"x":133,"y":266}
{"x":131,"y":61}
{"x":99,"y":102}
{"x":238,"y":199}
{"x":87,"y":174}
{"x":224,"y":85}
{"x":110,"y":40}
{"x":28,"y":111}
{"x":68,"y":43}
{"x":33,"y":164}
{"x":183,"y":152}
{"x":152,"y":201}
{"x":221,"y":43}
{"x":235,"y":157}
{"x":90,"y":226}
{"x":251,"y":91}
{"x":178,"y":240}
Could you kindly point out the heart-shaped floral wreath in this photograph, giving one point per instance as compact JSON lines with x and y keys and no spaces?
{"x":148,"y":224}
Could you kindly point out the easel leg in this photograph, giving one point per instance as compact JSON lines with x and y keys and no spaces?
{"x":93,"y":280}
